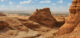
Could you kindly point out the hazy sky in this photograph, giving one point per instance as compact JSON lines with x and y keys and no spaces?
{"x":30,"y":5}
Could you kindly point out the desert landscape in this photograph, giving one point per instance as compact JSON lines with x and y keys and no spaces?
{"x":41,"y":24}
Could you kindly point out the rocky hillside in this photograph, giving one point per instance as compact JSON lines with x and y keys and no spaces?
{"x":41,"y":24}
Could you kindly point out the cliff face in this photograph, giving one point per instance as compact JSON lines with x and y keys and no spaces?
{"x":44,"y":17}
{"x":73,"y":20}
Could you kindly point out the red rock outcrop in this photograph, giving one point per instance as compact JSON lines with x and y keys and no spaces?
{"x":60,"y":20}
{"x":77,"y":28}
{"x":73,"y":20}
{"x":33,"y":25}
{"x":44,"y":17}
{"x":70,"y":35}
{"x":3,"y":25}
{"x":2,"y":14}
{"x":12,"y":23}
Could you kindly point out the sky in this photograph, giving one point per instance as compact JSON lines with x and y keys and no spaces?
{"x":31,"y":5}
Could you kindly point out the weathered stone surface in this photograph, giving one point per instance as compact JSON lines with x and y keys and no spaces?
{"x":70,"y":35}
{"x":43,"y":16}
{"x":60,"y":20}
{"x":77,"y":28}
{"x":73,"y":20}
{"x":30,"y":34}
{"x":34,"y":26}
{"x":3,"y":24}
{"x":12,"y":23}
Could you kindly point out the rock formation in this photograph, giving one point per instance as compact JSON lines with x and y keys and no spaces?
{"x":78,"y":19}
{"x":60,"y":20}
{"x":73,"y":20}
{"x":1,"y":14}
{"x":11,"y":23}
{"x":3,"y":24}
{"x":77,"y":28}
{"x":44,"y":17}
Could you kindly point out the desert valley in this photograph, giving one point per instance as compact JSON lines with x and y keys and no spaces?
{"x":41,"y":24}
